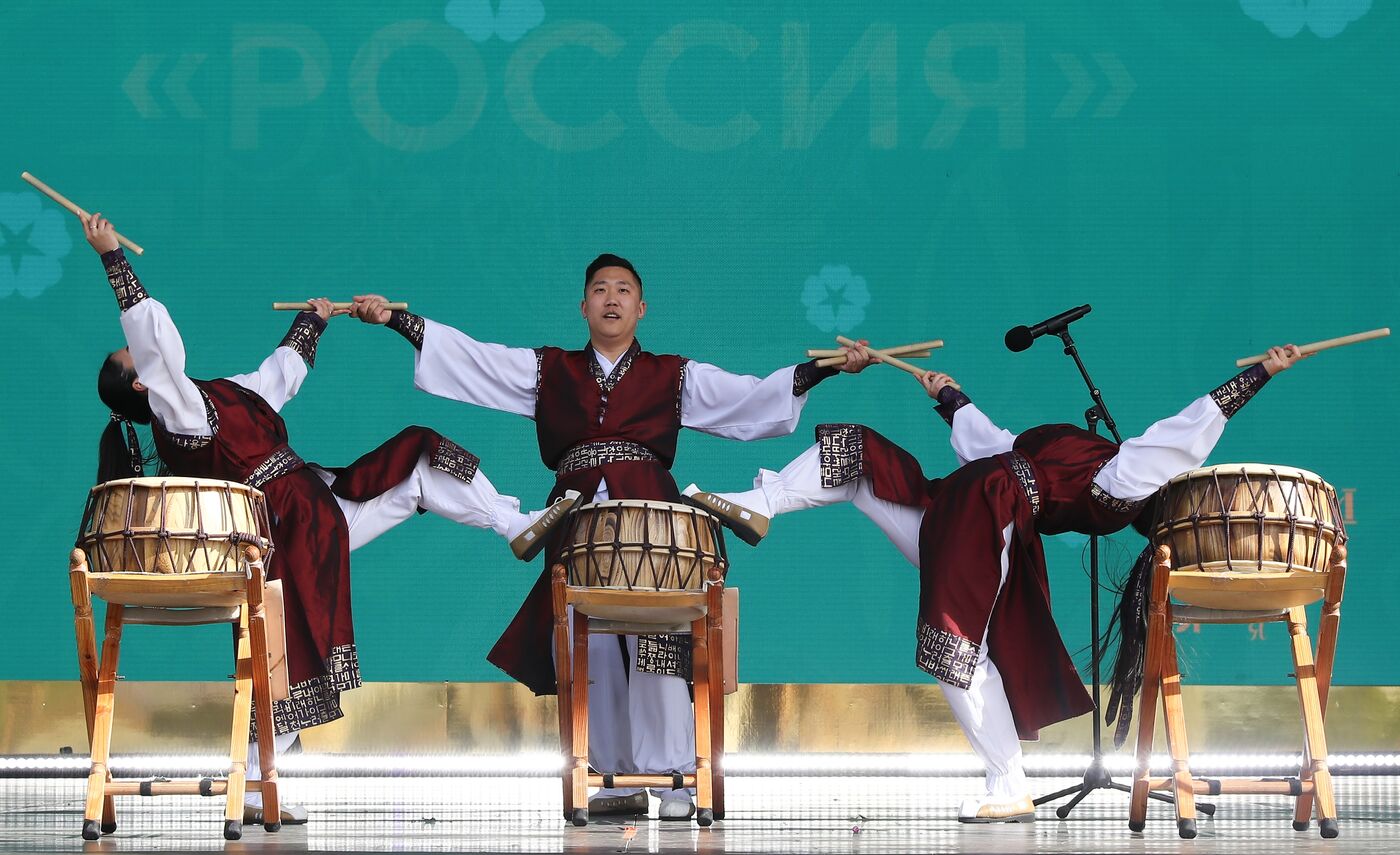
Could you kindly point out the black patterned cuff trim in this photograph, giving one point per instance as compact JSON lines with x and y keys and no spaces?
{"x":808,"y":375}
{"x":305,"y":333}
{"x":950,"y":400}
{"x":842,"y":453}
{"x":950,"y":658}
{"x":408,"y":325}
{"x":668,"y":655}
{"x":455,"y":460}
{"x":123,"y":280}
{"x":1236,"y":393}
{"x":317,"y":701}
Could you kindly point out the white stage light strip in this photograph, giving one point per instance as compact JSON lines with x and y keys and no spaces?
{"x":535,"y":764}
{"x":539,"y":764}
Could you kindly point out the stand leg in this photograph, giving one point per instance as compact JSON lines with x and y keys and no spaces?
{"x":579,"y":719}
{"x":1315,"y":738}
{"x":564,"y":686}
{"x":103,"y":712}
{"x":700,"y":659}
{"x":242,"y":718}
{"x":1326,"y":655}
{"x":1175,"y":715}
{"x":87,"y":662}
{"x":262,"y":695}
{"x":1157,"y":630}
{"x":715,"y":619}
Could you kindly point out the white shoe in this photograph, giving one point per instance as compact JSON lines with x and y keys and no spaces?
{"x":988,"y":809}
{"x":529,"y":542}
{"x":292,"y":814}
{"x":676,"y":809}
{"x":750,"y":525}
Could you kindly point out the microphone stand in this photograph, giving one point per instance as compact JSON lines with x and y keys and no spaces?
{"x":1096,"y":777}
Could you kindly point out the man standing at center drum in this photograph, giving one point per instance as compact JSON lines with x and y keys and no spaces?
{"x":607,"y":418}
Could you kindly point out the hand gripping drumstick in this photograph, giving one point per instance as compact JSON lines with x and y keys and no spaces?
{"x":827,"y":357}
{"x":306,"y":307}
{"x":1317,"y":346}
{"x":897,"y":363}
{"x":79,"y":212}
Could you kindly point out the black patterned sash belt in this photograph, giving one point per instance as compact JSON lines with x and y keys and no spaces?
{"x":281,"y":462}
{"x":1025,"y":476}
{"x":587,"y":455}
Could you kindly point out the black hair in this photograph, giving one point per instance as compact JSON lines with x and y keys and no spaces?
{"x":119,"y":453}
{"x":607,"y":259}
{"x":1128,"y":625}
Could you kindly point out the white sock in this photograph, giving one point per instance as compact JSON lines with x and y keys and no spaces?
{"x":755,"y":500}
{"x":512,"y":522}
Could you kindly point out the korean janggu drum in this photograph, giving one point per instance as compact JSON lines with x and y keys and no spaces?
{"x":172,"y":526}
{"x":641,"y":546}
{"x":1249,"y":536}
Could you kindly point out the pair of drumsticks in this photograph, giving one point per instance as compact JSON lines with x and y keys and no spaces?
{"x":829,"y":358}
{"x":826,"y":357}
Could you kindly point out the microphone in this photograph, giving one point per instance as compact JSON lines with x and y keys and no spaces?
{"x":1020,"y":338}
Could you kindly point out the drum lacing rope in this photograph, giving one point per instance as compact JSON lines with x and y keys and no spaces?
{"x":1256,"y":503}
{"x":164,"y":531}
{"x":1291,"y":516}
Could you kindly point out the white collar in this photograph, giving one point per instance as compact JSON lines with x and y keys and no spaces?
{"x":604,"y":363}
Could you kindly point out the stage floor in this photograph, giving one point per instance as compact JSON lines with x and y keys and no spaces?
{"x":858,"y":815}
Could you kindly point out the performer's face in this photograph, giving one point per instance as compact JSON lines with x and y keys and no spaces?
{"x":612,"y":304}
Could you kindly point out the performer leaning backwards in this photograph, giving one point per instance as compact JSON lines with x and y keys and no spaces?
{"x":985,"y":628}
{"x":230,"y":429}
{"x":607,"y":417}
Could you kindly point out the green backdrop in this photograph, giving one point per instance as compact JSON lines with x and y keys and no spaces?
{"x":1213,"y":177}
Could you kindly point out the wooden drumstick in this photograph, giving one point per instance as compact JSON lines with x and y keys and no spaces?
{"x":897,"y":363}
{"x":833,"y":361}
{"x":828,"y":357}
{"x":1318,"y":346}
{"x":834,"y":352}
{"x":306,"y":307}
{"x":79,"y":212}
{"x":918,"y":349}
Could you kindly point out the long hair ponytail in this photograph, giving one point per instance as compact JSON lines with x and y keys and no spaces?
{"x":1128,"y":625}
{"x":119,"y":453}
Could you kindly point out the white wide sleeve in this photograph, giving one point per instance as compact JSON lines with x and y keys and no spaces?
{"x":739,"y":406}
{"x":159,"y":355}
{"x":277,"y":379}
{"x":1167,"y":449}
{"x":975,"y":436}
{"x":452,"y":364}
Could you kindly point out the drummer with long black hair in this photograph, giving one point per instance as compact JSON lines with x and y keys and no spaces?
{"x":984,"y":629}
{"x":230,"y":429}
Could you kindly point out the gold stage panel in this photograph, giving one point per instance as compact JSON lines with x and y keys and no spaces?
{"x":41,"y":716}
